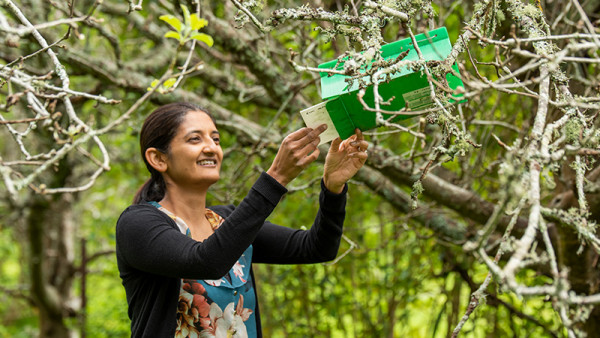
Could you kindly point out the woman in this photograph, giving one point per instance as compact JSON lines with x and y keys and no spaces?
{"x":186,"y":268}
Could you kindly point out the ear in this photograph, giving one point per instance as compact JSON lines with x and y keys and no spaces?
{"x":156,"y":159}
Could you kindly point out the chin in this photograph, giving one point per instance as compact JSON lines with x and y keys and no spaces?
{"x":213,"y":179}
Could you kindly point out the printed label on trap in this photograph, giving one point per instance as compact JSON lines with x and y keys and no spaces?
{"x":418,"y":99}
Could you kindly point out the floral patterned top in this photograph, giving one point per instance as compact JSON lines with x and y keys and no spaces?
{"x":216,"y":308}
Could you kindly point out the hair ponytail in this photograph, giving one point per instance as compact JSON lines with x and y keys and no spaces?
{"x":153,"y":190}
{"x":158,"y":131}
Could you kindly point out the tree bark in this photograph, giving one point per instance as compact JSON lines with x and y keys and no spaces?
{"x":51,"y":274}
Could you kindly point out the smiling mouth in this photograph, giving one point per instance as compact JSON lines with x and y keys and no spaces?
{"x":208,"y":163}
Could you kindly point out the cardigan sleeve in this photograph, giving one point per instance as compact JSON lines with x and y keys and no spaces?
{"x":149,"y":241}
{"x":281,"y":245}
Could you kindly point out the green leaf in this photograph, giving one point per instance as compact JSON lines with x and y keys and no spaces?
{"x":186,"y":15}
{"x":196,"y":22}
{"x":153,"y":84}
{"x":170,"y":82}
{"x":174,"y":35}
{"x":207,"y":39}
{"x":171,"y":20}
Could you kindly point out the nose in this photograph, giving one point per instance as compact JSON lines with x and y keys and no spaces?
{"x":210,"y":147}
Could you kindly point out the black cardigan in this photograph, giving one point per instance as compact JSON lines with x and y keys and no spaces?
{"x":153,"y":255}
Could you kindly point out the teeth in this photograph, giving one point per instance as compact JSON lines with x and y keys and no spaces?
{"x":207,"y":162}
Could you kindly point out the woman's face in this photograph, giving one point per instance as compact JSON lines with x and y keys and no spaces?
{"x":195,"y":153}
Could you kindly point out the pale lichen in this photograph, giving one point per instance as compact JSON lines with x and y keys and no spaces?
{"x":417,"y":189}
{"x":572,"y":131}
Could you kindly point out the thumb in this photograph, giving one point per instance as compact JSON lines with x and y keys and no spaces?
{"x":335,"y":145}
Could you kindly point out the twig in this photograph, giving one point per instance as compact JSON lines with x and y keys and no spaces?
{"x":33,"y":119}
{"x":524,"y":244}
{"x":387,"y":10}
{"x":254,"y":20}
{"x":60,"y":70}
{"x":338,"y":258}
{"x":587,"y":22}
{"x":134,"y":7}
{"x":24,"y":31}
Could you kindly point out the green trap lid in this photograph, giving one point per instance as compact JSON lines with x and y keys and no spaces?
{"x":406,"y":88}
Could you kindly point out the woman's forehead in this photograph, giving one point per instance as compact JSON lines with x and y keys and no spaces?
{"x":197,"y":120}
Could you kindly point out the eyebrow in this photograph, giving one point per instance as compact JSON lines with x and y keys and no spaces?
{"x":200,"y":132}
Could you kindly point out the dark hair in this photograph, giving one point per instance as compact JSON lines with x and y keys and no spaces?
{"x":158,"y":131}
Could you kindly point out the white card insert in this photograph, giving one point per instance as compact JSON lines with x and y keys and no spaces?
{"x":317,"y":115}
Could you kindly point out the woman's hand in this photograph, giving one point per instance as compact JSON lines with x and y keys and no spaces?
{"x":297,"y":151}
{"x":343,"y":161}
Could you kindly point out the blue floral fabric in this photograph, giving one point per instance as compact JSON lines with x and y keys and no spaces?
{"x":216,"y":308}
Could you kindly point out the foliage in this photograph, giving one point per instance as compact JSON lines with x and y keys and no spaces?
{"x":187,"y":31}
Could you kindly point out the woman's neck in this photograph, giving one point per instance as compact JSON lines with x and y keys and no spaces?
{"x":190,"y":205}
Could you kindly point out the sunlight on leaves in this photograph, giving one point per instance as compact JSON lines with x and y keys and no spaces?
{"x":187,"y":30}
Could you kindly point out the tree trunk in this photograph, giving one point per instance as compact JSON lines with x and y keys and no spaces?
{"x":50,"y":261}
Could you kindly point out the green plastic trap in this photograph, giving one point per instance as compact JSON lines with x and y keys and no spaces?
{"x":408,"y":87}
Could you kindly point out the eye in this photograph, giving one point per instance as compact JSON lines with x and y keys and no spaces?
{"x":194,"y":139}
{"x":217,"y":139}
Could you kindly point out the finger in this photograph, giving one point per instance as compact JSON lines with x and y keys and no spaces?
{"x":345,"y":143}
{"x":348,"y":142}
{"x":298,"y":134}
{"x":310,"y":147}
{"x":300,"y":152}
{"x":360,"y":155}
{"x":361,"y":145}
{"x":309,"y":159}
{"x":310,"y":137}
{"x":359,"y":134}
